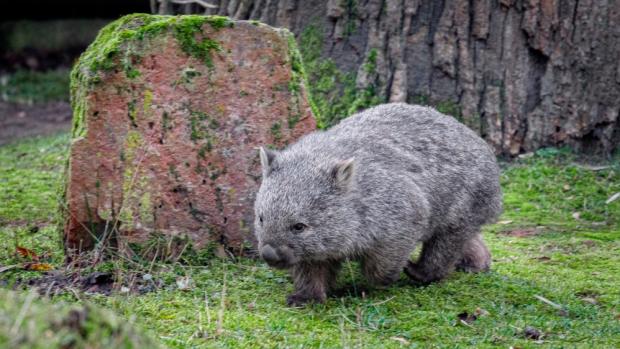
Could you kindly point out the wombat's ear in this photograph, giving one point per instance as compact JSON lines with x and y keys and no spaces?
{"x":343,"y":172}
{"x":266,"y":160}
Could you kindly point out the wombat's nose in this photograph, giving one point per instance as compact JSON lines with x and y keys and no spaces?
{"x":269,"y":254}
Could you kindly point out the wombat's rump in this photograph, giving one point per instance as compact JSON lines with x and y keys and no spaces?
{"x":370,"y":189}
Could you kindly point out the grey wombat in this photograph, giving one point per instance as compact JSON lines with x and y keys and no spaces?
{"x":370,"y":189}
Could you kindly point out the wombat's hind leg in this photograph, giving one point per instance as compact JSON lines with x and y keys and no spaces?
{"x":438,"y":259}
{"x":312,"y":282}
{"x":476,"y":256}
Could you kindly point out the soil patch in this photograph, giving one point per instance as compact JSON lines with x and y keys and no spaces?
{"x":22,"y":120}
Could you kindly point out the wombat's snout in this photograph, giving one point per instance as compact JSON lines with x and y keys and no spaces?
{"x":276,"y":257}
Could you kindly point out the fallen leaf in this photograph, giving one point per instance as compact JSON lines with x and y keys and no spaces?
{"x":504,"y":222}
{"x":38,"y":266}
{"x":576,"y":215}
{"x":26,"y":253}
{"x":566,"y":187}
{"x":532,"y":333}
{"x":543,"y":258}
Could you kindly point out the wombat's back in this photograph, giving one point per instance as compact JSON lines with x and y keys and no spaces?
{"x":452,"y":165}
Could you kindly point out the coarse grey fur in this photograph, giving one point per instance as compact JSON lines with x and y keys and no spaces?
{"x":370,"y":189}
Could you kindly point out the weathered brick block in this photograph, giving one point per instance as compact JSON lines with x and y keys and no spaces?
{"x":168,"y":112}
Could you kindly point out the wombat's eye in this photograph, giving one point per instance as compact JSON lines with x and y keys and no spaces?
{"x":298,"y":227}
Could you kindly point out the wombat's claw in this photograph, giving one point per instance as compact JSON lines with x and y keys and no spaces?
{"x":299,"y":300}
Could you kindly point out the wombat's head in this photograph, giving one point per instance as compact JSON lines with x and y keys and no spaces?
{"x":302,"y":210}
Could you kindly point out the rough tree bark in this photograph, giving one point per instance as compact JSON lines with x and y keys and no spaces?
{"x":522,"y":73}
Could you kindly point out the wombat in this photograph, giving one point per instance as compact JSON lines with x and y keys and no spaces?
{"x":370,"y":189}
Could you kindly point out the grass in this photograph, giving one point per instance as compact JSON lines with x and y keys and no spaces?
{"x":25,"y":86}
{"x":570,"y":260}
{"x":28,"y":322}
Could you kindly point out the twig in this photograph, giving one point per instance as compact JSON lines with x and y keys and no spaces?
{"x":75,"y":293}
{"x":548,"y":302}
{"x":383,"y":301}
{"x":49,"y":288}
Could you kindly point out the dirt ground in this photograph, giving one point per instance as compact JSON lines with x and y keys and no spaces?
{"x":22,"y":120}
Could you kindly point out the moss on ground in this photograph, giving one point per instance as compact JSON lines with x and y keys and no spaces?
{"x":29,"y":322}
{"x":539,"y":249}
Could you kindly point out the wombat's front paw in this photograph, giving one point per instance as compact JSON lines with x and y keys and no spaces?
{"x":299,"y":299}
{"x":417,"y":275}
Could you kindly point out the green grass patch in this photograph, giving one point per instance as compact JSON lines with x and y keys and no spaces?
{"x":25,"y":86}
{"x":29,"y":322}
{"x":30,"y":176}
{"x":554,"y":189}
{"x":574,"y":263}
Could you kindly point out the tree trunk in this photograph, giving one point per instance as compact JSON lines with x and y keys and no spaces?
{"x":523,"y":74}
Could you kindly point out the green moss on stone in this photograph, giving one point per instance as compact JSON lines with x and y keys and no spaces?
{"x":189,"y":74}
{"x":371,"y":62}
{"x":132,"y":113}
{"x":133,"y":184}
{"x":352,"y":14}
{"x":165,"y":122}
{"x":186,"y":32}
{"x":198,"y":130}
{"x":295,"y":85}
{"x":293,"y":119}
{"x":119,"y":46}
{"x":276,"y":130}
{"x":204,"y":149}
{"x":148,"y":100}
{"x":333,"y":93}
{"x":146,"y":208}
